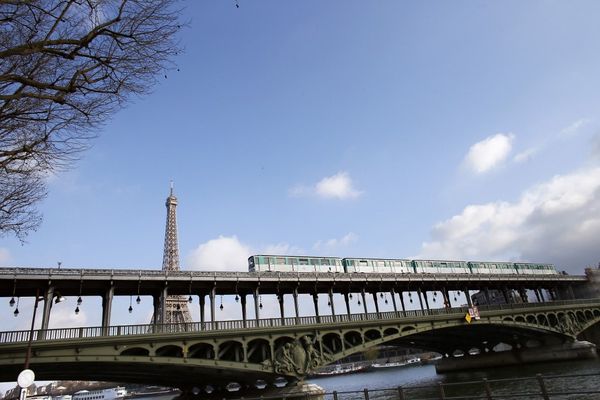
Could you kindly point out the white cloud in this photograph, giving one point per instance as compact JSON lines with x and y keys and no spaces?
{"x":334,"y":244}
{"x":575,"y":127}
{"x":338,"y":186}
{"x":4,"y":256}
{"x":525,"y":156}
{"x":557,"y":221}
{"x":221,"y":254}
{"x":489,"y":153}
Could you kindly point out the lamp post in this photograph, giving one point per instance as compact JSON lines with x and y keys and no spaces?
{"x":27,"y":377}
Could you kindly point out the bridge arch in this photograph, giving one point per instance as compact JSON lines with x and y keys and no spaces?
{"x":136,"y":351}
{"x":353,"y":338}
{"x":231,"y":350}
{"x":332,"y":342}
{"x":169,"y":351}
{"x":204,"y":351}
{"x":372,"y":334}
{"x":259,"y":350}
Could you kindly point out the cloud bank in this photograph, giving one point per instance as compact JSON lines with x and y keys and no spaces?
{"x":556,"y":221}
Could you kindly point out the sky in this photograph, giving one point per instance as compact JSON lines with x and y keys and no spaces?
{"x":441,"y":130}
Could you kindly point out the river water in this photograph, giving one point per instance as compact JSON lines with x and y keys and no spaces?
{"x":412,"y":376}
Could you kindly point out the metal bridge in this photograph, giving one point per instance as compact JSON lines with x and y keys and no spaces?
{"x":244,"y":351}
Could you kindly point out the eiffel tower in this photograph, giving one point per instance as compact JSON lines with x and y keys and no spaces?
{"x":176,"y":306}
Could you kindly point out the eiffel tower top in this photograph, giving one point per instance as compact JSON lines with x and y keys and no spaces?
{"x":171,"y":250}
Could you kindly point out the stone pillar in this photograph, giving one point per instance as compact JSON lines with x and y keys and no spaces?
{"x":243,"y":304}
{"x":446,"y":297}
{"x":106,"y":308}
{"x":537,"y":294}
{"x":156,"y":306}
{"x":506,"y":295}
{"x":486,"y":292}
{"x":163,"y":304}
{"x":48,"y":297}
{"x":542,"y":294}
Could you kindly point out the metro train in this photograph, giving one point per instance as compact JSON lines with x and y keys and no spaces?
{"x":281,"y":263}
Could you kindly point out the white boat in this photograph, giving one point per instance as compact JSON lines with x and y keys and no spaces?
{"x":115,"y":393}
{"x":397,"y":364}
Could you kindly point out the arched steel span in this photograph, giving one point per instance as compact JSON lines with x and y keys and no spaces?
{"x":246,"y":355}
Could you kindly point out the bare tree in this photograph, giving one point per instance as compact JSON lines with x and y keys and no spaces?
{"x":65,"y":67}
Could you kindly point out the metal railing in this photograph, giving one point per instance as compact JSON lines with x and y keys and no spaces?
{"x":127,"y":330}
{"x":545,"y":387}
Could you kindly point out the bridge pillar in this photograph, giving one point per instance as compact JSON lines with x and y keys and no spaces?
{"x":393,"y":293}
{"x":426,"y":300}
{"x":523,"y":294}
{"x":506,"y":296}
{"x":446,"y":297}
{"x":486,"y":292}
{"x":281,"y":310}
{"x":296,"y":305}
{"x":419,"y":292}
{"x":106,"y":308}
{"x":537,"y":295}
{"x":202,"y":298}
{"x":243,"y":304}
{"x":468,"y":295}
{"x":156,"y":306}
{"x":47,"y":307}
{"x":376,"y":303}
{"x":542,"y":294}
{"x":364,"y":299}
{"x":331,"y":303}
{"x":213,"y":304}
{"x":256,"y":295}
{"x":347,"y":300}
{"x":316,"y":302}
{"x":402,"y":303}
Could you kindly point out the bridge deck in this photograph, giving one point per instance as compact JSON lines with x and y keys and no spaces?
{"x":93,"y":282}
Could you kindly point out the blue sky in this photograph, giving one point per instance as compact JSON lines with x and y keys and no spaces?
{"x":465,"y":130}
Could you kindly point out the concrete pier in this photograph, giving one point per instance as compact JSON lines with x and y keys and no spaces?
{"x":567,"y":351}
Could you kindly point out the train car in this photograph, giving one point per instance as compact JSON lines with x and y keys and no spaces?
{"x":496,"y":268}
{"x":535,"y":269}
{"x":377,"y":265}
{"x":440,"y":267}
{"x":261,"y":263}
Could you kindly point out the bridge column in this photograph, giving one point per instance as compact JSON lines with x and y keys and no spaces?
{"x":316,"y":302}
{"x":347,"y":300}
{"x":256,"y":295}
{"x":202,"y":298}
{"x":537,"y":294}
{"x":571,"y":293}
{"x":446,"y":297}
{"x":523,"y":294}
{"x":542,"y":294}
{"x":374,"y":294}
{"x":243,"y":304}
{"x":106,"y":308}
{"x":506,"y":296}
{"x":364,"y":299}
{"x":156,"y":307}
{"x":402,"y":303}
{"x":296,"y":305}
{"x":213,"y":305}
{"x":393,"y":293}
{"x":468,"y":295}
{"x":331,"y":303}
{"x":281,"y":310}
{"x":486,"y":292}
{"x":420,"y":300}
{"x":47,"y":307}
{"x":426,"y":300}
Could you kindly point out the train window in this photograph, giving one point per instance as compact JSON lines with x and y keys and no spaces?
{"x":303,"y":261}
{"x":292,"y":261}
{"x":325,"y":261}
{"x":363,"y":263}
{"x":280,"y":260}
{"x":380,"y":263}
{"x":314,"y":261}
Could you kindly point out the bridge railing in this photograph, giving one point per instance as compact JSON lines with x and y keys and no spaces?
{"x":121,"y":330}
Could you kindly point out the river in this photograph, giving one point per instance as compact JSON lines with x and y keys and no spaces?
{"x":425,"y":375}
